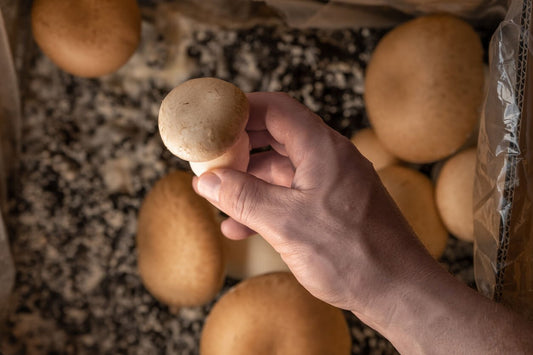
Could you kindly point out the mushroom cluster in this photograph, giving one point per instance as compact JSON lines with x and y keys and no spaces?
{"x":182,"y":262}
{"x":182,"y":255}
{"x":418,"y":114}
{"x":423,"y":95}
{"x":183,"y":258}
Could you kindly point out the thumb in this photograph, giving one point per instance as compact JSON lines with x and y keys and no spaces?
{"x":245,"y":198}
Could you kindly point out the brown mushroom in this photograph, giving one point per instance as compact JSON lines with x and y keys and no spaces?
{"x":274,"y":314}
{"x":251,"y":257}
{"x":424,"y":87}
{"x":85,"y":37}
{"x":413,"y":192}
{"x":368,"y":144}
{"x":454,"y":194}
{"x":179,"y":244}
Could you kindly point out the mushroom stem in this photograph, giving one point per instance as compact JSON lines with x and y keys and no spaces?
{"x":236,"y":157}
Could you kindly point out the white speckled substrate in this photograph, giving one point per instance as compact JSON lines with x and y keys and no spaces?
{"x":91,"y":151}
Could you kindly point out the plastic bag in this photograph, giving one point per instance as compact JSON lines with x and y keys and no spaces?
{"x":7,"y":270}
{"x":503,"y":193}
{"x":383,"y":13}
{"x":9,"y":142}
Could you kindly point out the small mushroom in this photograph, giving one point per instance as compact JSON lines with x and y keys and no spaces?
{"x":413,"y":192}
{"x":251,"y":257}
{"x":274,"y":314}
{"x":454,"y":194}
{"x":203,"y":121}
{"x":368,"y":144}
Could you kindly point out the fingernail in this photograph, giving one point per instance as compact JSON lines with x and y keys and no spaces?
{"x":209,"y":186}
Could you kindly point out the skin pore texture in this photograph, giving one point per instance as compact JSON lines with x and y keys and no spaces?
{"x":322,"y":206}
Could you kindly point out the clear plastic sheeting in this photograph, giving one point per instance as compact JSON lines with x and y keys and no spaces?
{"x":7,"y":271}
{"x":9,"y":139}
{"x":503,"y":255}
{"x":465,"y":8}
{"x":383,"y":13}
{"x":9,"y":108}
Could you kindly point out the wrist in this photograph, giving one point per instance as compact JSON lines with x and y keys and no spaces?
{"x":421,"y":314}
{"x":438,"y":314}
{"x":405,"y":299}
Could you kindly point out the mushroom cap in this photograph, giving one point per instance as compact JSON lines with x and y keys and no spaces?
{"x":274,"y":314}
{"x":87,"y":38}
{"x":202,"y":118}
{"x":424,"y":87}
{"x":368,"y":144}
{"x":413,"y":192}
{"x":251,"y":257}
{"x":454,"y":194}
{"x":179,"y":243}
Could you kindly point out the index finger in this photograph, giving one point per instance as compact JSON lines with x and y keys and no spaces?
{"x":289,"y":122}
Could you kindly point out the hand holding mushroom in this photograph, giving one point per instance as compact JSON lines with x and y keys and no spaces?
{"x":203,"y":121}
{"x":321,"y":205}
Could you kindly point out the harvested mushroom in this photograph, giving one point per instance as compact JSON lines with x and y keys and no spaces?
{"x":179,"y":244}
{"x":454,"y":194}
{"x":368,"y":144}
{"x":424,"y":87}
{"x":85,"y":37}
{"x":274,"y":314}
{"x":251,"y":257}
{"x":202,"y":121}
{"x":413,"y":192}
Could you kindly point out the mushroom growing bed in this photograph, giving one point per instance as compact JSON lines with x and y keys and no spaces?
{"x":92,"y":150}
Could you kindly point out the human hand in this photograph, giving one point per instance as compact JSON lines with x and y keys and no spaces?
{"x":321,"y":205}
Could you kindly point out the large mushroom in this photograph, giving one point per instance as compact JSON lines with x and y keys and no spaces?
{"x":179,"y":244}
{"x":274,"y":314}
{"x":87,"y":38}
{"x":424,"y":87}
